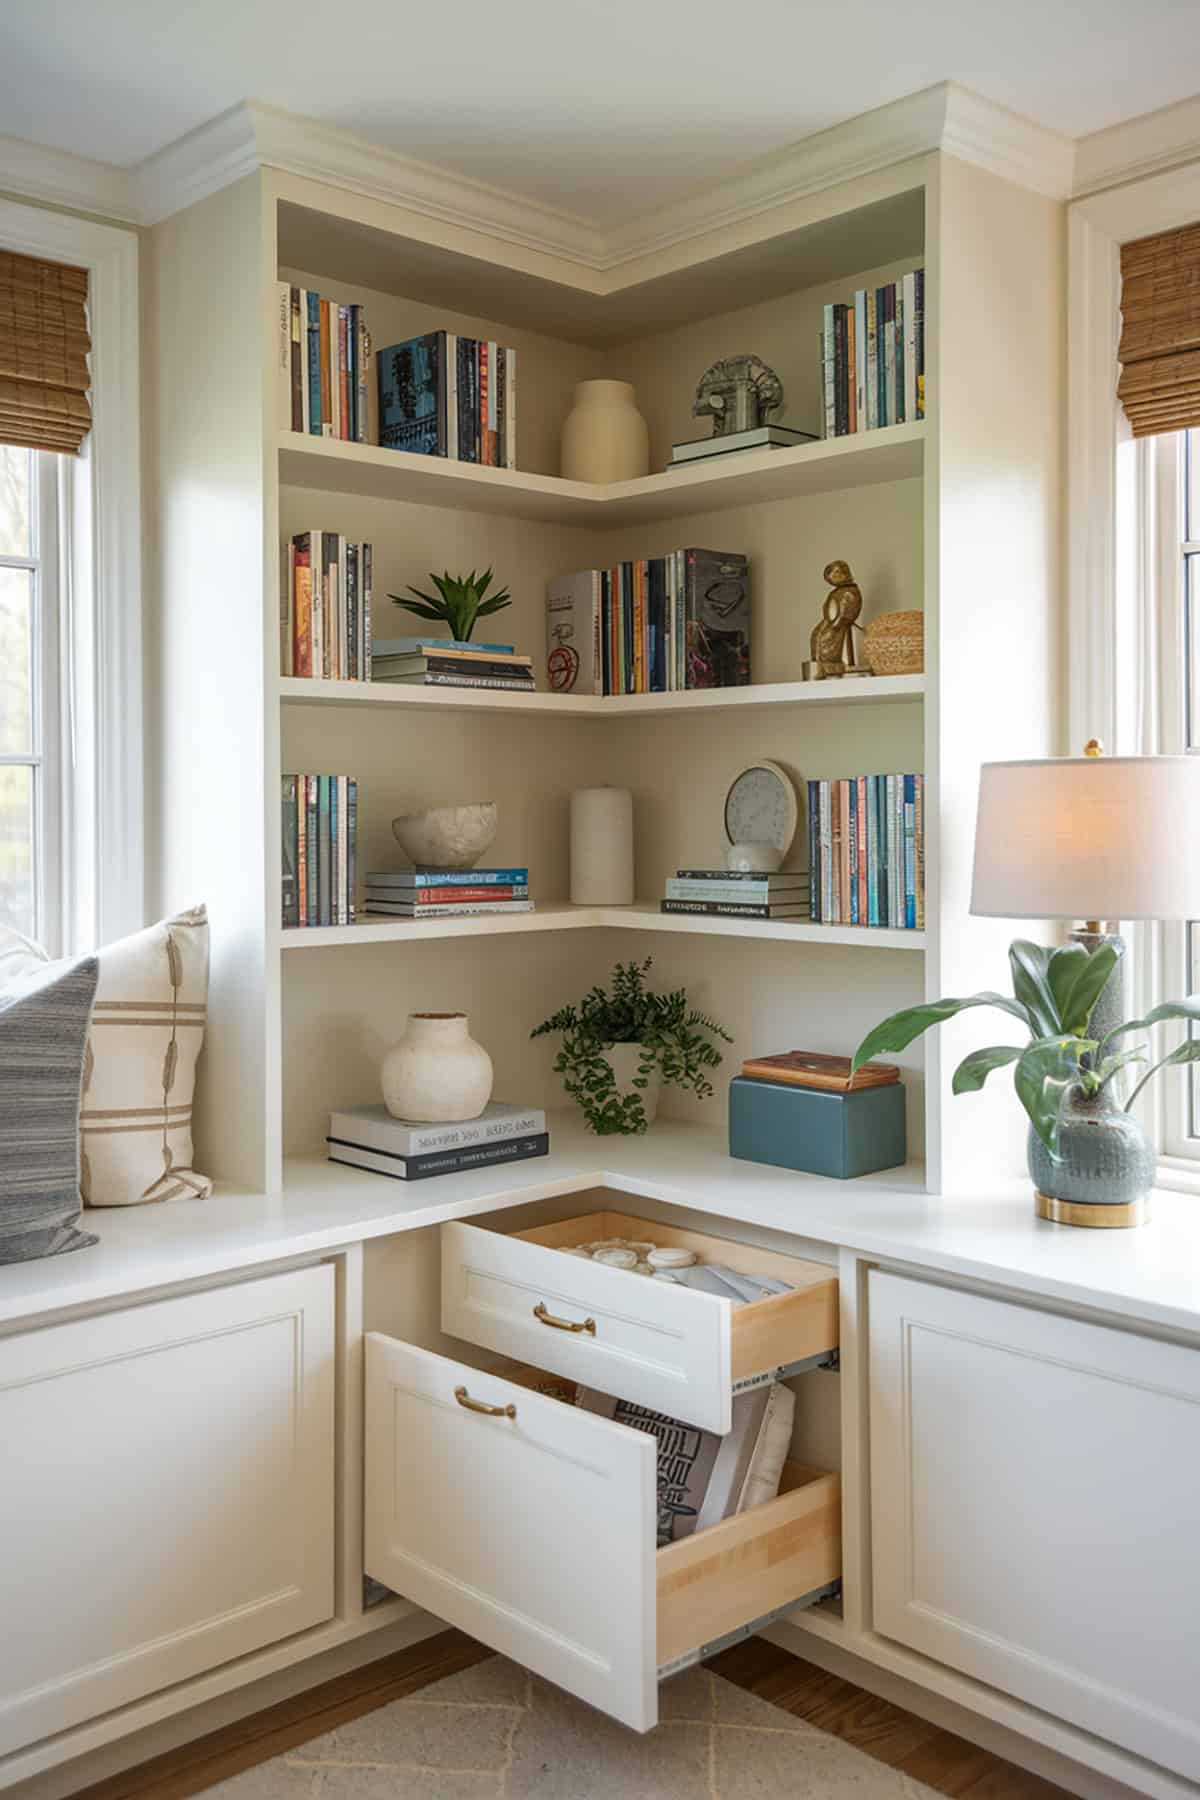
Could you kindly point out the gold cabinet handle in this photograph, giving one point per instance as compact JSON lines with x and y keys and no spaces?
{"x":547,"y":1318}
{"x":481,"y":1406}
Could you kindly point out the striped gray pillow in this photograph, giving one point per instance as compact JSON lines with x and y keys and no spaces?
{"x":45,"y":1009}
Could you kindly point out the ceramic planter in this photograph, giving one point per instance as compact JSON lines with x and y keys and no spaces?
{"x":437,"y":1072}
{"x":604,"y":436}
{"x":1105,"y":1165}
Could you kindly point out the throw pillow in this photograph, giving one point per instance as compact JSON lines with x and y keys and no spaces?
{"x":140,"y":1071}
{"x":44,"y":1011}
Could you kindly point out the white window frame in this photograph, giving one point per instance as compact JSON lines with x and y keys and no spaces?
{"x":102,"y":822}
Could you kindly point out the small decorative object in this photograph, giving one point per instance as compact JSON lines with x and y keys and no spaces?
{"x":617,"y":1047}
{"x":894,"y":644}
{"x":761,"y":815}
{"x":842,"y":1132}
{"x":602,"y":847}
{"x":461,"y":602}
{"x":832,"y":641}
{"x":604,"y":436}
{"x":447,"y":837}
{"x":738,"y":392}
{"x":437,"y":1073}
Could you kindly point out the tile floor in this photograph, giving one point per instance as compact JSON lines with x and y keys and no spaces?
{"x":494,"y":1732}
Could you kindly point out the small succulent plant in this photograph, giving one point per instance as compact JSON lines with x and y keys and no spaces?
{"x":460,"y":604}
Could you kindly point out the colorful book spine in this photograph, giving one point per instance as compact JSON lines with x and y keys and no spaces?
{"x":327,"y":602}
{"x":866,"y":839}
{"x":319,"y":820}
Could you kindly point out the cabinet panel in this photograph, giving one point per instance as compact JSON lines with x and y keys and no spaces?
{"x":1034,"y":1487}
{"x":167,"y":1498}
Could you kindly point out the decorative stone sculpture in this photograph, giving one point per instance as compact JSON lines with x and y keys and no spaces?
{"x":832,"y":641}
{"x":738,"y":392}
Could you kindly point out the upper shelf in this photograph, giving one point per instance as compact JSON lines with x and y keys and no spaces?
{"x":894,"y":454}
{"x":878,"y":689}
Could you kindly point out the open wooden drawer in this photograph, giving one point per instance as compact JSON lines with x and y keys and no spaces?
{"x":679,"y":1352}
{"x":531,"y":1525}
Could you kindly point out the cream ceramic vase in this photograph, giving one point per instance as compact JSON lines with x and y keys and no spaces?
{"x":437,"y":1072}
{"x":623,"y":1060}
{"x":605,"y":437}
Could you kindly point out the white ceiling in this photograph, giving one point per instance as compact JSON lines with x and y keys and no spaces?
{"x":604,"y":108}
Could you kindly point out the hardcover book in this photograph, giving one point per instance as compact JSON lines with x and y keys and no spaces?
{"x":373,"y":1127}
{"x":716,"y":598}
{"x":412,"y":395}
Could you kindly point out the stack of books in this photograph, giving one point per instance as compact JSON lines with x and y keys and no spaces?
{"x":758,"y":437}
{"x":368,"y":1137}
{"x":445,"y":662}
{"x":653,"y":626}
{"x":447,"y":893}
{"x":866,"y":848}
{"x":873,"y":358}
{"x":726,"y":893}
{"x":320,"y":817}
{"x":324,"y":355}
{"x":325,"y":614}
{"x":445,"y":395}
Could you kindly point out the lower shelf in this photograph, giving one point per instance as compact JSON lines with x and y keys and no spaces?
{"x":644,"y":915}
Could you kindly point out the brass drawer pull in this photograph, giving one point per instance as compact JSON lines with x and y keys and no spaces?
{"x":547,"y":1318}
{"x":481,"y":1406}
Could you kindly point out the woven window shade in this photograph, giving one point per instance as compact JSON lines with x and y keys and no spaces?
{"x":44,"y":345}
{"x":1160,"y":331}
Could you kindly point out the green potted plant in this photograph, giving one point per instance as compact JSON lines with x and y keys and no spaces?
{"x":620,"y":1044}
{"x":1086,"y":1149}
{"x":459,"y":602}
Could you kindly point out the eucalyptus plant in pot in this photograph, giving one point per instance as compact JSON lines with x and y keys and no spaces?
{"x":1086,"y":1149}
{"x":620,"y":1044}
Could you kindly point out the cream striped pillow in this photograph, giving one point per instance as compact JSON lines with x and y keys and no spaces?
{"x":139,"y":1071}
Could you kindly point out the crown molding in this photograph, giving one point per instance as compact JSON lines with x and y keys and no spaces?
{"x":1146,"y":146}
{"x":56,"y":178}
{"x":212,"y":157}
{"x":980,"y":132}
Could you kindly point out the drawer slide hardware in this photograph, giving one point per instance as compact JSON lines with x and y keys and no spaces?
{"x":827,"y":1359}
{"x":481,"y":1406}
{"x":831,"y":1591}
{"x":547,"y":1318}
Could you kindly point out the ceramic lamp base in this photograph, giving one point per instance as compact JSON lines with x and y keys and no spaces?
{"x":1092,"y":1213}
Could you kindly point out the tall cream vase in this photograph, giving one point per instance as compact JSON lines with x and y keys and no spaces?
{"x":437,"y":1073}
{"x":605,"y":437}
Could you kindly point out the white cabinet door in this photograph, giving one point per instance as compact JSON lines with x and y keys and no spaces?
{"x":166,"y":1500}
{"x":1035,"y":1491}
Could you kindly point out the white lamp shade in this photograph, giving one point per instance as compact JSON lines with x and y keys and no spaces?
{"x":1089,"y":837}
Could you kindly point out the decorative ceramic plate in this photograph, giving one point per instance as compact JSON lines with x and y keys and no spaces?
{"x":761,"y":807}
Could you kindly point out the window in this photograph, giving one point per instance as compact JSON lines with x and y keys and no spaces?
{"x":30,"y":684}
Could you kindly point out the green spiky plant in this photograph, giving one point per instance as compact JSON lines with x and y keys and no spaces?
{"x":674,"y":1038}
{"x":460,"y":604}
{"x":1055,"y":993}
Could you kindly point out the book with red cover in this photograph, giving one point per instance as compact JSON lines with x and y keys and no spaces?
{"x":813,"y":1069}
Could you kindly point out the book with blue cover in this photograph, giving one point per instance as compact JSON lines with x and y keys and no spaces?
{"x":412,"y":395}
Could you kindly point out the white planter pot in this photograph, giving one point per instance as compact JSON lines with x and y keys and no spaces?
{"x":437,"y":1072}
{"x":623,"y":1060}
{"x":604,"y":437}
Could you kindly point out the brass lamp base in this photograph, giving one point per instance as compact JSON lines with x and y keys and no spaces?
{"x":1097,"y":1215}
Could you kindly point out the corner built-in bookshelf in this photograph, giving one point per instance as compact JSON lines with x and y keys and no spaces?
{"x":956,"y":514}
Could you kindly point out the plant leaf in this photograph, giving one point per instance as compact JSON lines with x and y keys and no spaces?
{"x":1187,"y":1052}
{"x":1112,"y":1065}
{"x":422,"y":610}
{"x":1045,"y":1070}
{"x":1061,"y":973}
{"x":494,"y":605}
{"x":1089,"y":980}
{"x":974,"y":1070}
{"x":1029,"y":964}
{"x":1158,"y":1015}
{"x":899,"y":1030}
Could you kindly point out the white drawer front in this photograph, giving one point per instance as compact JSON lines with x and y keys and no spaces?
{"x":534,"y":1533}
{"x":663,"y":1346}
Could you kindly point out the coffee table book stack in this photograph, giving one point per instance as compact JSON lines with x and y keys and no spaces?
{"x":804,"y":1110}
{"x":445,"y":662}
{"x":446,"y":893}
{"x":738,"y":894}
{"x":368,"y":1137}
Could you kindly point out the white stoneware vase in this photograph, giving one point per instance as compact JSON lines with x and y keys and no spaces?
{"x":437,"y":1072}
{"x":623,"y":1060}
{"x":604,"y":437}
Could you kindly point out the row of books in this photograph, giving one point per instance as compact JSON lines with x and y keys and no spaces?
{"x":368,"y":1137}
{"x":726,"y":893}
{"x":445,"y":395}
{"x":325,"y":617}
{"x":446,"y":893}
{"x":873,"y":357}
{"x":651,"y":626}
{"x":447,"y":662}
{"x":320,"y":819}
{"x":324,"y":356}
{"x":866,"y":849}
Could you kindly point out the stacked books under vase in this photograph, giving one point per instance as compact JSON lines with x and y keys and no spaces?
{"x":697,"y":451}
{"x":368,"y":1137}
{"x":429,"y":894}
{"x":737,"y":894}
{"x":447,"y":662}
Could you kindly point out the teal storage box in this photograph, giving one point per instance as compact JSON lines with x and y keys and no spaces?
{"x":816,"y":1130}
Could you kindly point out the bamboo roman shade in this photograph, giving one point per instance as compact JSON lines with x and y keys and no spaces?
{"x":1160,"y":331}
{"x":44,"y":345}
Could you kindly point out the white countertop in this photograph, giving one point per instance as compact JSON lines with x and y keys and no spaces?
{"x":1150,"y":1275}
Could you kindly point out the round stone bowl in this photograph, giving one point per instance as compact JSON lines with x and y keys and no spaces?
{"x":447,"y":837}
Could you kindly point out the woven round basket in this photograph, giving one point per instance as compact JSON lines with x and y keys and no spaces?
{"x":895,"y":644}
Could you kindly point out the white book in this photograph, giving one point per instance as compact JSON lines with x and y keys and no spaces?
{"x":910,"y":344}
{"x":446,"y":909}
{"x":510,"y":396}
{"x":860,"y":358}
{"x":317,"y":571}
{"x":283,"y":353}
{"x":573,"y":663}
{"x":374,"y":1128}
{"x":451,"y":386}
{"x":827,"y":365}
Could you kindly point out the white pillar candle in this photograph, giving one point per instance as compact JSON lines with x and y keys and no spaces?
{"x":602,"y":847}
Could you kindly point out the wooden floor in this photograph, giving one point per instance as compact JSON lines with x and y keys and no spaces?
{"x":895,"y":1737}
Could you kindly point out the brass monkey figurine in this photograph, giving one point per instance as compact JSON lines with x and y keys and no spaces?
{"x":832,"y":641}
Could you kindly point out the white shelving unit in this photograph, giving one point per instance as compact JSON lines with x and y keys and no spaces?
{"x":957,"y":514}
